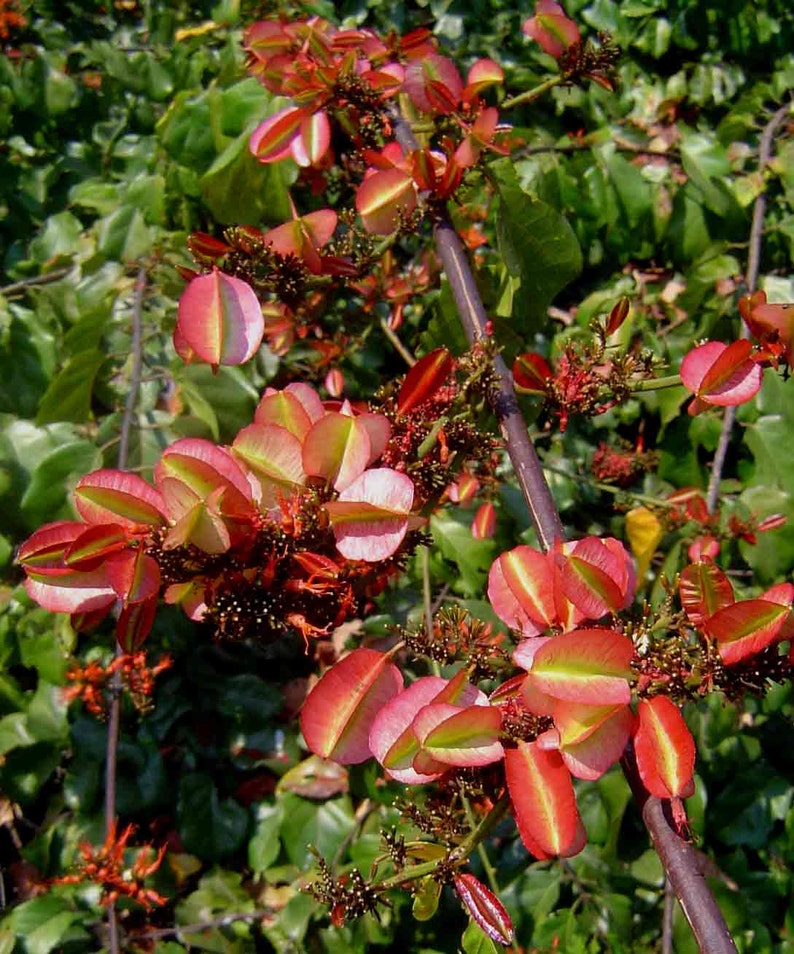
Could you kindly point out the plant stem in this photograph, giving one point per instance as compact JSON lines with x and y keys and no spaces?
{"x":753,"y":268}
{"x":458,"y":854}
{"x":657,"y":384}
{"x":530,"y":95}
{"x":114,"y":707}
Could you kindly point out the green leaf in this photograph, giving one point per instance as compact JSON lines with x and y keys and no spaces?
{"x":210,"y":827}
{"x":538,"y":246}
{"x":42,"y":923}
{"x":324,"y":825}
{"x":476,"y":941}
{"x":68,"y":398}
{"x":240,"y":190}
{"x":46,"y":493}
{"x":265,"y":846}
{"x":124,"y":234}
{"x":472,"y":558}
{"x":706,"y":164}
{"x":219,"y":893}
{"x":58,"y":239}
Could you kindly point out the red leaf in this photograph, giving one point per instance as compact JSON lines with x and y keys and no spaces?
{"x":704,"y":590}
{"x":485,"y":908}
{"x":94,"y":544}
{"x":543,"y":799}
{"x":745,"y":628}
{"x":531,"y":373}
{"x":424,"y":379}
{"x":551,"y":28}
{"x":664,"y":748}
{"x":338,"y":713}
{"x":134,"y":624}
{"x":720,"y":374}
{"x":433,"y":83}
{"x":134,"y":575}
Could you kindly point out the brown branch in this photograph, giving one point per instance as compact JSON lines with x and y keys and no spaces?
{"x":677,"y":856}
{"x":753,"y":268}
{"x":46,"y":279}
{"x":114,"y":707}
{"x":199,"y":926}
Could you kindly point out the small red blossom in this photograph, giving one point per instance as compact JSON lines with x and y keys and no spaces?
{"x":107,"y":867}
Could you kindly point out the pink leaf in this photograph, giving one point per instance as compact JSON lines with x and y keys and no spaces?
{"x":585,"y":665}
{"x":382,"y":197}
{"x":460,"y":737}
{"x":272,"y":139}
{"x":370,"y":518}
{"x":337,"y":448}
{"x":720,"y":374}
{"x":521,"y":590}
{"x":392,"y":739}
{"x":312,"y":141}
{"x":220,"y":319}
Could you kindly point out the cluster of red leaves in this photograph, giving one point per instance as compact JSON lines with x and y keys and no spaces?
{"x":584,"y":380}
{"x":288,"y":519}
{"x":90,"y":683}
{"x":107,"y":867}
{"x":304,"y":517}
{"x":688,"y":507}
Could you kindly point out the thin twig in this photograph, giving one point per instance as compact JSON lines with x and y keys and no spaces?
{"x":753,"y":268}
{"x":203,"y":925}
{"x":114,"y":707}
{"x":398,"y":346}
{"x":24,"y":283}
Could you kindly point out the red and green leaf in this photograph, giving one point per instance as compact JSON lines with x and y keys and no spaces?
{"x":704,"y":590}
{"x":220,"y":319}
{"x":664,"y":748}
{"x":590,"y":666}
{"x":115,"y":496}
{"x":544,"y":804}
{"x":338,"y":713}
{"x":745,"y":628}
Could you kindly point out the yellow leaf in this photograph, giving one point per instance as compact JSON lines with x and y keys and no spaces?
{"x":644,"y":532}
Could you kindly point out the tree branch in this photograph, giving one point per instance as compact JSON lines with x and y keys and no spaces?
{"x":114,"y":707}
{"x":753,"y":268}
{"x":677,"y":856}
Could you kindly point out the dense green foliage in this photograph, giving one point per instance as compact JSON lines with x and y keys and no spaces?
{"x":124,"y":129}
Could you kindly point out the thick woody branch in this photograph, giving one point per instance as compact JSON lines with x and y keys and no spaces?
{"x":677,"y":856}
